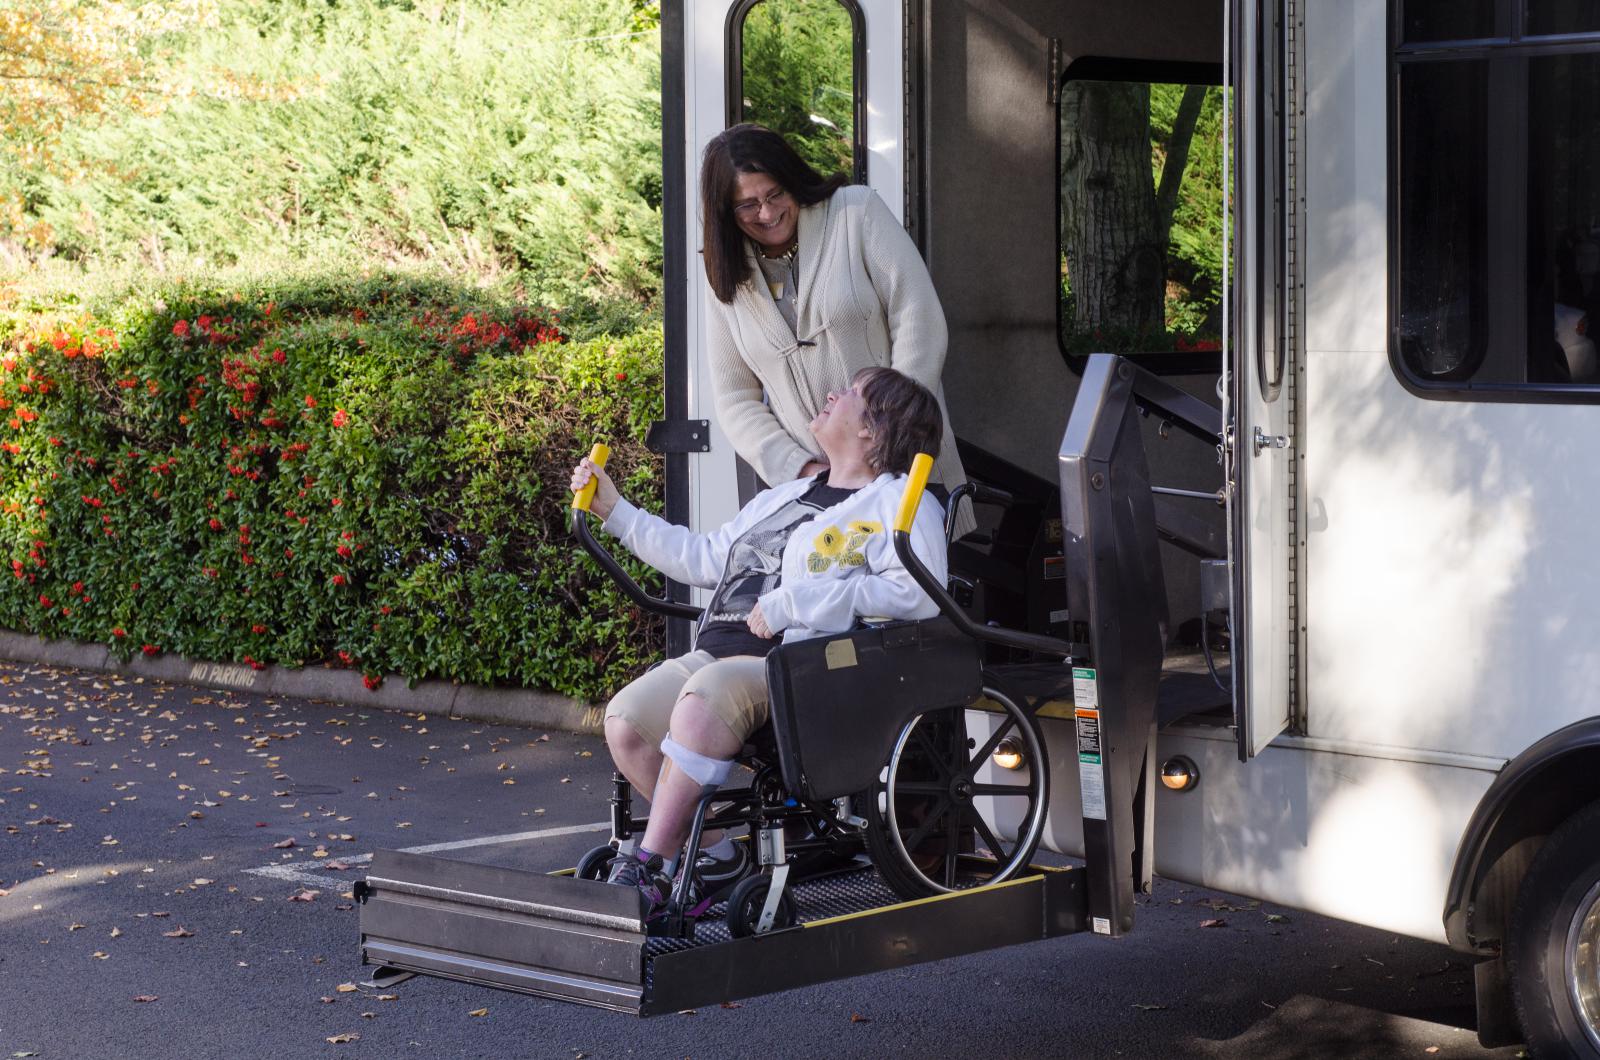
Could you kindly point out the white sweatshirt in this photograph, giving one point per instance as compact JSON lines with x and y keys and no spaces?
{"x":838,"y":568}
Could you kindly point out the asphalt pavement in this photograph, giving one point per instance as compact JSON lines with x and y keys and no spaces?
{"x":176,"y":867}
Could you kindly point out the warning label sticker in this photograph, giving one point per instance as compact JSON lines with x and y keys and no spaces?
{"x":1085,"y":689}
{"x":1091,"y":772}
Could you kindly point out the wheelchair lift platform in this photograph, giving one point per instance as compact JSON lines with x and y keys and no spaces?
{"x":583,"y":941}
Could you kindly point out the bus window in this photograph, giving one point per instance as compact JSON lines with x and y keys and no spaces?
{"x":1433,"y":20}
{"x":1141,"y":216}
{"x":1496,"y":210}
{"x":799,"y":72}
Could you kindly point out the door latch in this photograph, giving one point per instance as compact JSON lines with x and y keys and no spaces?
{"x":1263,"y":440}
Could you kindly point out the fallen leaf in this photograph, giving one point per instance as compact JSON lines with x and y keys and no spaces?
{"x":304,"y":896}
{"x":336,"y":866}
{"x":201,"y":881}
{"x":340,"y":1039}
{"x":1149,"y":1008}
{"x":388,"y":997}
{"x":347,"y":988}
{"x":732,"y":1004}
{"x":101,"y":955}
{"x":179,"y":932}
{"x":116,"y":933}
{"x":284,"y":844}
{"x":76,"y":927}
{"x":856,"y":1017}
{"x":1276,"y":918}
{"x":1431,"y":1049}
{"x":1213,"y":923}
{"x":479,"y":1012}
{"x":142,"y":998}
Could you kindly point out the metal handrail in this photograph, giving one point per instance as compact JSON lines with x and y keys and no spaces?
{"x":608,"y":563}
{"x":1010,"y":638}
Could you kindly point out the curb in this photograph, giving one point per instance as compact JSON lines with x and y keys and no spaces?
{"x":501,"y":706}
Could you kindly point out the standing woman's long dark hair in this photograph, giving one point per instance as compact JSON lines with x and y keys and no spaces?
{"x":748,"y":149}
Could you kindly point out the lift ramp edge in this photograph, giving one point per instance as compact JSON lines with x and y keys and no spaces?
{"x":1046,"y":905}
{"x":576,"y":940}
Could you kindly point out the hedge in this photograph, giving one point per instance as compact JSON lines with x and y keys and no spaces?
{"x":370,"y":474}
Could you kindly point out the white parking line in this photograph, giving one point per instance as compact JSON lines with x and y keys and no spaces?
{"x":296,"y":871}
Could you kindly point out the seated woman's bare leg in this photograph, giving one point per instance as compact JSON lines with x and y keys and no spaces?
{"x":695,"y":727}
{"x":635,"y":757}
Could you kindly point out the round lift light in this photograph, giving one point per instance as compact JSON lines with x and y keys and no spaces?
{"x":1179,"y":773}
{"x":1008,"y":754}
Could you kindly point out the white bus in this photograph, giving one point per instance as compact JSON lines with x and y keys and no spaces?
{"x":1375,"y":574}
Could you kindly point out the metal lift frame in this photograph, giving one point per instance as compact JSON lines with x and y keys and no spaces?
{"x":555,"y":936}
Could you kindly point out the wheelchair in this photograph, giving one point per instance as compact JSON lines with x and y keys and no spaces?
{"x":884,"y":747}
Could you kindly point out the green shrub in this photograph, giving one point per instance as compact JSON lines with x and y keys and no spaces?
{"x":368,"y":472}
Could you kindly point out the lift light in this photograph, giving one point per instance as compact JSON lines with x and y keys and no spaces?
{"x":1179,"y":773}
{"x":1008,"y":754}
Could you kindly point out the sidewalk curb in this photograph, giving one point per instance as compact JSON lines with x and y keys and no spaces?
{"x":524,"y":707}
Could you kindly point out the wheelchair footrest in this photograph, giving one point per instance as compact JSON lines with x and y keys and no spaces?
{"x":578,"y":940}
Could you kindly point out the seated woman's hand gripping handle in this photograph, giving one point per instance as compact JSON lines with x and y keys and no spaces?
{"x":592,"y":488}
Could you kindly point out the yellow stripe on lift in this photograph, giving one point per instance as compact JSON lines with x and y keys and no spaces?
{"x":921,"y":901}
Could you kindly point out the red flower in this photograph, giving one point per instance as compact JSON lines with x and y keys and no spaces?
{"x":345,"y":658}
{"x":181,"y":328}
{"x":288,"y":553}
{"x":336,"y":502}
{"x":384,"y":609}
{"x":44,"y":601}
{"x":338,"y":579}
{"x":339,"y":418}
{"x":151,"y":649}
{"x":311,"y":402}
{"x":277,"y":355}
{"x":622,"y":377}
{"x":77,"y":588}
{"x":215,"y":524}
{"x":119,"y":632}
{"x":344,"y":551}
{"x":372,"y":681}
{"x":258,"y":628}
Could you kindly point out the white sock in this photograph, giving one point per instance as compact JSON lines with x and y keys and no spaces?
{"x":722,"y":849}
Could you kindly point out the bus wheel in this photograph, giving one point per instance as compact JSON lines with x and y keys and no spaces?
{"x":925,"y":816}
{"x":1553,"y":954}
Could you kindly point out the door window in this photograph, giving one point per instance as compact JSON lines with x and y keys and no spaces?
{"x":797,"y":67}
{"x":1140,"y":216}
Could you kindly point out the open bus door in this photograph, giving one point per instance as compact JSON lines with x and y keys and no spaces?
{"x":1260,"y":458}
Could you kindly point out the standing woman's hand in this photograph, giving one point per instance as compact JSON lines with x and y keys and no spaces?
{"x":605,"y":494}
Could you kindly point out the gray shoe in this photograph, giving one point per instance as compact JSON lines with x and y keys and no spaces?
{"x":626,"y":870}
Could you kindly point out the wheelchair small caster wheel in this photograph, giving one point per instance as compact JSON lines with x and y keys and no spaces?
{"x":595,"y":864}
{"x":747,"y":901}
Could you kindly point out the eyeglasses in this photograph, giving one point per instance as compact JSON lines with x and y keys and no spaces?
{"x":751,"y":208}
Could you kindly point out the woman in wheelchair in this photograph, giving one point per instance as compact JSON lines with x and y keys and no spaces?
{"x":804,"y":558}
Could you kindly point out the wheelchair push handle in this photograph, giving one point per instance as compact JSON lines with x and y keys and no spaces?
{"x":916,"y":483}
{"x":581,"y":500}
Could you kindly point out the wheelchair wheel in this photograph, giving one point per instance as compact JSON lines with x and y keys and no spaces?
{"x":748,"y":899}
{"x":594,"y":864}
{"x":923,"y":816}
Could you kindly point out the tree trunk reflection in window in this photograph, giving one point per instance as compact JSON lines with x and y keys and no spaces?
{"x":1141,"y":216}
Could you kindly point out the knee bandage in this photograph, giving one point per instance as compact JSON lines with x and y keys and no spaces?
{"x":707,"y":772}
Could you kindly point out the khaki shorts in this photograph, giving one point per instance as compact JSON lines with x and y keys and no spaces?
{"x":735,"y":690}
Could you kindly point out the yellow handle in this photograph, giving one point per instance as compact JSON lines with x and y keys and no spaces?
{"x":918,"y":481}
{"x":584,"y":497}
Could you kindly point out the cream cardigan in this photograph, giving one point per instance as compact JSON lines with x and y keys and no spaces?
{"x":864,"y":299}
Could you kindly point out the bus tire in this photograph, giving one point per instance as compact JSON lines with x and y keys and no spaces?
{"x":1553,"y":951}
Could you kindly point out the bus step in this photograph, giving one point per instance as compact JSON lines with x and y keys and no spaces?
{"x":577,"y":940}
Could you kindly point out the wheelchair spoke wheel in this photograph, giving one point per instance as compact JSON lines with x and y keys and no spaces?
{"x":943,"y":816}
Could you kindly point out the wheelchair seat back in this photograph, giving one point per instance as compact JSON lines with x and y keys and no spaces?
{"x":838,"y":702}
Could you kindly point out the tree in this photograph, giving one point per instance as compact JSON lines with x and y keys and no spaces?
{"x":1119,"y":196}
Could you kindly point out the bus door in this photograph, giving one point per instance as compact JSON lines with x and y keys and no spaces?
{"x":829,"y":76}
{"x":1259,"y":453}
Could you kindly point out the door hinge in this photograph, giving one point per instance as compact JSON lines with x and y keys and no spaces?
{"x":1052,"y":92}
{"x":679,"y":436}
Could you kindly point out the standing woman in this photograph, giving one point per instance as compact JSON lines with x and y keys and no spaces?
{"x":815,"y":280}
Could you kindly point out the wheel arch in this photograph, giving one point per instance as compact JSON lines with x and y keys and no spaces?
{"x":1531,"y":796}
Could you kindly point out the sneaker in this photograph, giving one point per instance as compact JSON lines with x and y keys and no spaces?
{"x":626,"y":870}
